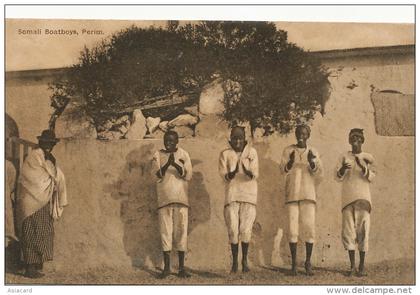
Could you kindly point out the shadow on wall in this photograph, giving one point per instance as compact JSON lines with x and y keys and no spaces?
{"x":199,"y":200}
{"x":269,"y":247}
{"x":137,"y":191}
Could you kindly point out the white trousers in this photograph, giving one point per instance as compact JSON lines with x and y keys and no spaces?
{"x":355,"y":228}
{"x":173,"y":225}
{"x":239,"y":218}
{"x":302,"y":212}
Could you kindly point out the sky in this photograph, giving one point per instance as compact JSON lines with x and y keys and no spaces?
{"x":45,"y":51}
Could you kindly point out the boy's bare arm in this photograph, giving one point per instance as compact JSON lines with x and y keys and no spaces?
{"x":363,"y":167}
{"x":162,"y":171}
{"x":252,"y":171}
{"x":230,"y":175}
{"x":247,"y":172}
{"x":367,"y":168}
{"x":344,"y":167}
{"x":178,"y":168}
{"x":311,"y":160}
{"x":291,"y":161}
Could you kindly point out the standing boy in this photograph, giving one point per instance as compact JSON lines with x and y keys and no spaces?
{"x":303,"y":169}
{"x":173,"y":170}
{"x":238,"y":166}
{"x":355,"y":170}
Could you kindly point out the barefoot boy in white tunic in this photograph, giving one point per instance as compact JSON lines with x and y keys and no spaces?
{"x":238,"y":166}
{"x":302,"y":166}
{"x":355,"y":170}
{"x":172,"y":166}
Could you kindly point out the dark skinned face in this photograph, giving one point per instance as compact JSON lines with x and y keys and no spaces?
{"x":170,"y":142}
{"x":237,"y":141}
{"x":302,"y":136}
{"x":356,"y":142}
{"x":46,"y":145}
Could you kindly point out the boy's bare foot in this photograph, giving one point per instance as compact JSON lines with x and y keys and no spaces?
{"x":165,"y":273}
{"x":234,"y":268}
{"x":245,"y":267}
{"x":362,"y":273}
{"x":293,"y":272}
{"x":183,"y":274}
{"x":308,"y":269}
{"x":352,"y":272}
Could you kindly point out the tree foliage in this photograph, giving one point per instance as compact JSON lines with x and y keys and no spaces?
{"x":280,"y":83}
{"x":268,"y":80}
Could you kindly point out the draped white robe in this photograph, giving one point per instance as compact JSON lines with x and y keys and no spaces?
{"x":40,"y":181}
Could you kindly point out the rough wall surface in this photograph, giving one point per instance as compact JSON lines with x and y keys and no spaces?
{"x":394,"y":113}
{"x":28,"y":103}
{"x":111,"y":219}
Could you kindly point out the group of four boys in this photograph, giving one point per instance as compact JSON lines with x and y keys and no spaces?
{"x":238,"y":166}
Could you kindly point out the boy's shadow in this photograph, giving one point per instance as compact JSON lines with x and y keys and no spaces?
{"x":136,"y":188}
{"x":199,"y":199}
{"x":271,"y":212}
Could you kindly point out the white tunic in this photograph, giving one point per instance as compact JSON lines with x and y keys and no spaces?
{"x":301,"y":180}
{"x":172,"y":188}
{"x":355,"y":183}
{"x":241,"y":188}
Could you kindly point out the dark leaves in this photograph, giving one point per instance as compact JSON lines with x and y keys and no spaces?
{"x":279,"y":82}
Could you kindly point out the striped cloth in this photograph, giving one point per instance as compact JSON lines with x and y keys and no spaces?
{"x":38,"y":236}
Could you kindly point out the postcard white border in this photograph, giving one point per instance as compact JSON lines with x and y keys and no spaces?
{"x":299,"y":13}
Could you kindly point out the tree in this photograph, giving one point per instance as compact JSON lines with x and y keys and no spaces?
{"x":268,"y":81}
{"x":131,"y":67}
{"x":280,"y":83}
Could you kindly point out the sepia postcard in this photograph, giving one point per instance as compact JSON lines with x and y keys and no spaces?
{"x":209,"y":152}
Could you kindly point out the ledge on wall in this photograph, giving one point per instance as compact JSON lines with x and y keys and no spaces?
{"x":323,"y":55}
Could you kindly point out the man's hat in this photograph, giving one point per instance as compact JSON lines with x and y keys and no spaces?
{"x":48,"y":136}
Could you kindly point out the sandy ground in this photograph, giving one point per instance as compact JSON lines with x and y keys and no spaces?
{"x":391,"y":272}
